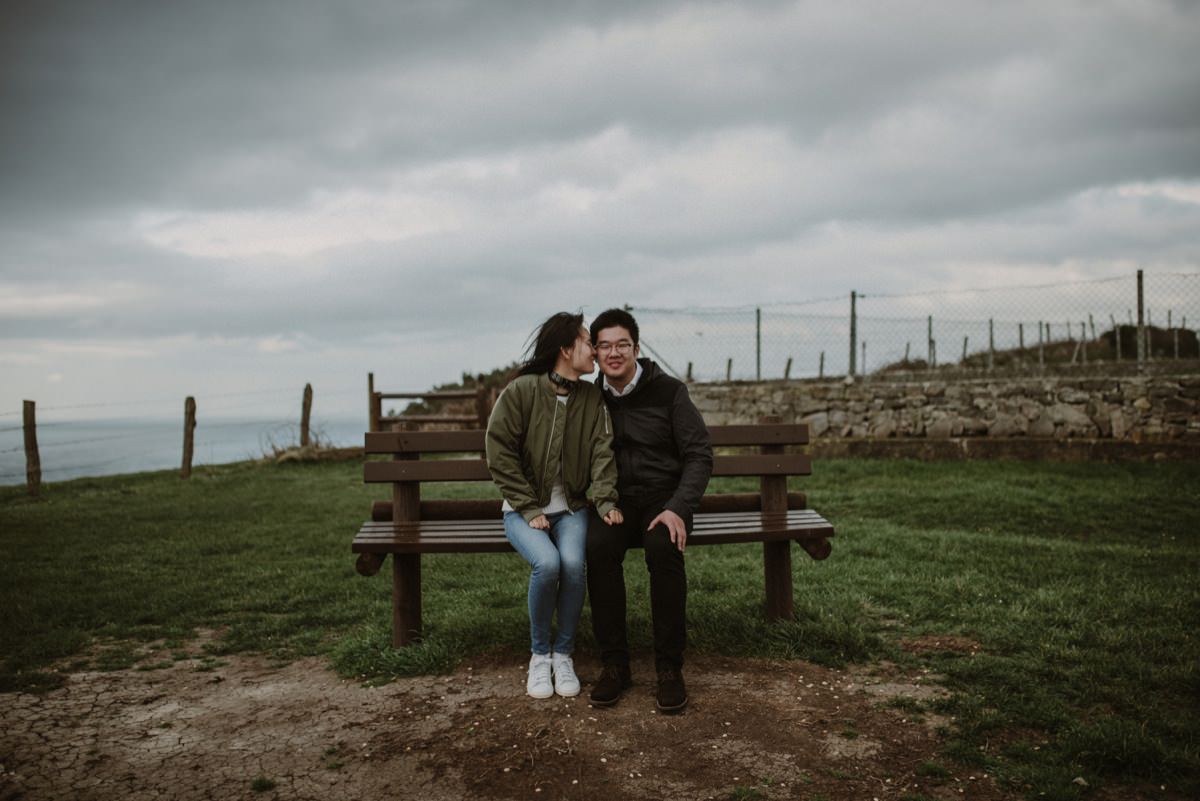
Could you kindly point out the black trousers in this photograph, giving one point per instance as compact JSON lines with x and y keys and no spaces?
{"x":606,"y":547}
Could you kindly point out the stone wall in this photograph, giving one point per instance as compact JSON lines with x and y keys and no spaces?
{"x":1152,"y":408}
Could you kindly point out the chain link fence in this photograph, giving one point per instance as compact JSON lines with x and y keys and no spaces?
{"x":1105,"y":321}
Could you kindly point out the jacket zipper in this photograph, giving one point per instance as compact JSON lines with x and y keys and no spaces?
{"x":546,"y":459}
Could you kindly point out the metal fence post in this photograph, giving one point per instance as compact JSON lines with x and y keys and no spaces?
{"x":1141,"y":325}
{"x":929,"y":339}
{"x":757,"y":344}
{"x":853,"y":332}
{"x":991,"y":343}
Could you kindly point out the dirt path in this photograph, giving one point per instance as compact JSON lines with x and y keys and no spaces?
{"x":754,"y":729}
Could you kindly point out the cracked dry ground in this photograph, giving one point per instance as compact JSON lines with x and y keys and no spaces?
{"x":754,"y":729}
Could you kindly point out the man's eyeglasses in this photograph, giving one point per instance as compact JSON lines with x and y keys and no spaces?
{"x":623,"y":347}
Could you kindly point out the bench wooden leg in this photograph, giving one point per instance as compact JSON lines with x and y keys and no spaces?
{"x":777,"y":569}
{"x":406,"y":599}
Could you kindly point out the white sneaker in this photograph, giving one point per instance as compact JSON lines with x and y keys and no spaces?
{"x":538,"y":685}
{"x":566,"y":683}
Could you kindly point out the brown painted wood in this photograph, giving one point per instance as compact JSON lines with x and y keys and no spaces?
{"x":189,"y":428}
{"x":741,"y":522}
{"x":784,"y":464}
{"x":423,"y":442}
{"x":368,"y":564}
{"x":406,"y":599}
{"x":429,"y":418}
{"x":305,"y":414}
{"x":773,"y":434}
{"x":33,"y":462}
{"x":450,"y":394}
{"x":777,"y":556}
{"x":488,"y":535}
{"x":473,"y":441}
{"x":471,"y":508}
{"x":374,"y":407}
{"x":406,"y":568}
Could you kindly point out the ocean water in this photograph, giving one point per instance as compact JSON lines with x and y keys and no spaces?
{"x":74,"y":448}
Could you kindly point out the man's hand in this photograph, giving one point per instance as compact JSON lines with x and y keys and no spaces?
{"x":674,"y":524}
{"x":614,"y":517}
{"x":540,"y":522}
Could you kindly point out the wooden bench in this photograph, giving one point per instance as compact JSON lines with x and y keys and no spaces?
{"x":408,"y":526}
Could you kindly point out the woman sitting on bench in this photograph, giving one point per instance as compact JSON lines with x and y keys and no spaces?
{"x":549,"y":441}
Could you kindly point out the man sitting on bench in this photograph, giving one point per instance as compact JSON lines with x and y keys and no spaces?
{"x":664,"y":460}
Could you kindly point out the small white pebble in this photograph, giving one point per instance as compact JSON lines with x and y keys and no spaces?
{"x":603,"y":759}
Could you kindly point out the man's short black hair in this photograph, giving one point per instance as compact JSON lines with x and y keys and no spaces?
{"x":607,"y":319}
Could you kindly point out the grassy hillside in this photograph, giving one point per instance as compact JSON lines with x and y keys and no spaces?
{"x":1079,"y":583}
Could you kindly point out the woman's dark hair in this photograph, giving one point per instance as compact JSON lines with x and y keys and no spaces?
{"x":560,"y":331}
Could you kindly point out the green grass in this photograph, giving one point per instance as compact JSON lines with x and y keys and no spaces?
{"x":1081,"y":583}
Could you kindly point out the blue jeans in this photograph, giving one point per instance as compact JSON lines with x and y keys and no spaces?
{"x":557,"y":580}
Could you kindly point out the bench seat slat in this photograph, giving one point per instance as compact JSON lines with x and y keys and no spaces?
{"x":783,"y":464}
{"x":488,"y":535}
{"x":730,"y":519}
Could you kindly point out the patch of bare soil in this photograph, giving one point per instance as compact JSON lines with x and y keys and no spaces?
{"x":248,"y":729}
{"x":933,"y":643}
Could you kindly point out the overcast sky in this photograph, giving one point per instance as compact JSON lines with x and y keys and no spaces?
{"x":217,"y":198}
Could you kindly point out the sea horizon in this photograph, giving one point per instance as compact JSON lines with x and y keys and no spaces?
{"x":77,"y":448}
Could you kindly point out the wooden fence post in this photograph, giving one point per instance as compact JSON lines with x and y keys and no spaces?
{"x":189,"y":426}
{"x":787,"y":370}
{"x":33,"y":463}
{"x":821,"y":368}
{"x":728,"y":370}
{"x":689,"y":373}
{"x":305,"y":412}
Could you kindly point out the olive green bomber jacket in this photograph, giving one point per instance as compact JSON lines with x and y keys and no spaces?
{"x":530,"y":436}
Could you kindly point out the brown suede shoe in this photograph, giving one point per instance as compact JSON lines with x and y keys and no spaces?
{"x":614,"y":680}
{"x":672,"y":694}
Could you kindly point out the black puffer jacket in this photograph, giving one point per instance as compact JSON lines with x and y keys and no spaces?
{"x":660,"y":441}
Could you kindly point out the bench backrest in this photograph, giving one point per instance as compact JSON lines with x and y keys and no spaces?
{"x":407,"y":446}
{"x":406,"y":470}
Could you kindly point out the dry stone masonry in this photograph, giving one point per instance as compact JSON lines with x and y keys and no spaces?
{"x":1155,"y":408}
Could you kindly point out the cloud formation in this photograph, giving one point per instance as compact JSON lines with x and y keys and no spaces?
{"x":288,"y":181}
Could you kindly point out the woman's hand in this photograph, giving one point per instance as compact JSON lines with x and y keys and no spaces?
{"x":540,"y":522}
{"x":614,"y":517}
